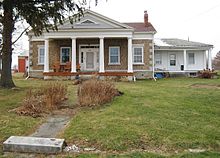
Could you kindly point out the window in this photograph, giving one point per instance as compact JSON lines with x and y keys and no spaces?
{"x":191,"y":57}
{"x":158,"y":58}
{"x":41,"y":52}
{"x":65,"y":54}
{"x":138,"y":55}
{"x":114,"y":55}
{"x":172,"y":60}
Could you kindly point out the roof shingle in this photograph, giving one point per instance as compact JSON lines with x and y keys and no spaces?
{"x":140,"y":27}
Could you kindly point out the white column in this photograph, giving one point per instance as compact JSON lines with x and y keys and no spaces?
{"x":130,"y":61}
{"x":184,"y":60}
{"x":209,"y":59}
{"x":204,"y":60}
{"x":46,"y":55}
{"x":73,"y":62}
{"x":101,"y":55}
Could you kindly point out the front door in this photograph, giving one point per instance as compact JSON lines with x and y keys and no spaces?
{"x":90,"y":63}
{"x":89,"y":58}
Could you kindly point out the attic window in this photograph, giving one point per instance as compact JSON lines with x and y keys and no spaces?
{"x":88,"y":22}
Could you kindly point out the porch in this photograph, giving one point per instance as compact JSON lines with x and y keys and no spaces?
{"x":88,"y":56}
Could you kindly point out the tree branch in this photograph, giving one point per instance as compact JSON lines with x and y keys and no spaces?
{"x":20,"y":35}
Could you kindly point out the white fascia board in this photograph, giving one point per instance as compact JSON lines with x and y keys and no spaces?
{"x":182,"y":49}
{"x":83,"y":34}
{"x":88,"y":34}
{"x":145,"y":35}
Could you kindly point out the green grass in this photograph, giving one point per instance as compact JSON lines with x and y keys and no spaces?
{"x":161,"y":117}
{"x":147,"y":155}
{"x":164,"y":118}
{"x":11,"y":123}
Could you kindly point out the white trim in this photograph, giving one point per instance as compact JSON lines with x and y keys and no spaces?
{"x":38,"y":55}
{"x":142,"y":51}
{"x":61,"y":54}
{"x":119,"y":62}
{"x":180,"y":49}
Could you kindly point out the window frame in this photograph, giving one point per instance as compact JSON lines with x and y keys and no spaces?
{"x":170,"y":59}
{"x":61,"y":54}
{"x":38,"y":60}
{"x":109,"y":59}
{"x":194,"y":61}
{"x":142,"y":55}
{"x":155,"y":59}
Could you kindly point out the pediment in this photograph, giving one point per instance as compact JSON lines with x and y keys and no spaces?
{"x":93,"y":20}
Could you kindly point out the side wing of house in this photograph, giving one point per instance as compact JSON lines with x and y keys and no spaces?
{"x":95,"y":44}
{"x":181,"y":56}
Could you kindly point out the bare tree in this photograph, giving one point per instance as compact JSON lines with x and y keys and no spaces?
{"x":216,"y":61}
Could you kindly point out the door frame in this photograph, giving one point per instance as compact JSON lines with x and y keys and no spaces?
{"x":91,"y":48}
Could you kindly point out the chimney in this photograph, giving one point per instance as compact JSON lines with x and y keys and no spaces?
{"x":145,"y":18}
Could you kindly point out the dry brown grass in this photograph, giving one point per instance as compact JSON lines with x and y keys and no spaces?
{"x":49,"y":97}
{"x":95,"y":92}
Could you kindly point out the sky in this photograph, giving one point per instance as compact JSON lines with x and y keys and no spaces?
{"x":196,"y":20}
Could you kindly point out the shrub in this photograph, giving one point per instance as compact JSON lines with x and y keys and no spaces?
{"x":43,"y":100}
{"x":95,"y":92}
{"x":207,"y":73}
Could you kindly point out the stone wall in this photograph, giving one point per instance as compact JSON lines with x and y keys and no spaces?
{"x":54,"y":53}
{"x":123,"y":44}
{"x":147,"y":54}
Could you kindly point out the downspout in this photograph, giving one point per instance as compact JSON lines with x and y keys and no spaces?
{"x":153,"y":59}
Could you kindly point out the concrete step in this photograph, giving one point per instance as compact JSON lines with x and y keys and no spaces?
{"x":33,"y":145}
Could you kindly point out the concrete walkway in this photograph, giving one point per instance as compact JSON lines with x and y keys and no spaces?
{"x":52,"y":127}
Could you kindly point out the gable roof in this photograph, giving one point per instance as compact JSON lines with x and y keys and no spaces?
{"x":140,"y":27}
{"x":178,"y":43}
{"x":91,"y":20}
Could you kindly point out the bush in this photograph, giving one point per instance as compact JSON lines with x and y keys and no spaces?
{"x":95,"y":92}
{"x":43,"y":100}
{"x":207,"y":74}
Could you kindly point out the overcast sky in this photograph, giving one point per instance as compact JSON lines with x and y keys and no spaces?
{"x":198,"y":20}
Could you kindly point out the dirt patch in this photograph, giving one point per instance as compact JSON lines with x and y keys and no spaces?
{"x":208,"y":86}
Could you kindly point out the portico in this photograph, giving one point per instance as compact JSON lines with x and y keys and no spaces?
{"x":84,"y":54}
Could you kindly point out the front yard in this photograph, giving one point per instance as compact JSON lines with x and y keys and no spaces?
{"x":163,"y":118}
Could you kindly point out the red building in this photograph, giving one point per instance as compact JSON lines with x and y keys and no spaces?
{"x":23,"y":61}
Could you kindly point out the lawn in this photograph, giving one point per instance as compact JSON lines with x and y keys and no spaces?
{"x":152,"y":119}
{"x":165,"y":117}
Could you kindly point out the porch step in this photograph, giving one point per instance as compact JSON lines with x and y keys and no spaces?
{"x":33,"y":145}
